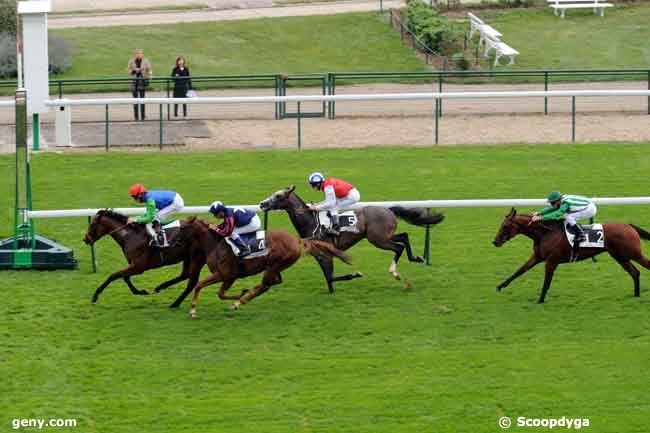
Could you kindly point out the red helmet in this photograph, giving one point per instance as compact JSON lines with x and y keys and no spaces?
{"x":137,"y":190}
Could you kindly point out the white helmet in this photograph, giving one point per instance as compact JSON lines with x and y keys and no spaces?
{"x":316,"y":179}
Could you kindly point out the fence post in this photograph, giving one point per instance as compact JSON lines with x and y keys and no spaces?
{"x":298,"y":118}
{"x":167,"y":86}
{"x":93,"y":258}
{"x":573,"y":119}
{"x":546,"y":90}
{"x":381,"y":6}
{"x":333,"y":92}
{"x":427,"y":243}
{"x":106,"y":123}
{"x":277,"y":93}
{"x":161,"y":125}
{"x":437,"y":117}
{"x":440,"y":91}
{"x":60,"y":89}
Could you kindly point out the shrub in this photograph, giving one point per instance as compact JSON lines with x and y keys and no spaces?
{"x":434,"y":30}
{"x":8,"y":16}
{"x":460,"y":61}
{"x":60,"y":55}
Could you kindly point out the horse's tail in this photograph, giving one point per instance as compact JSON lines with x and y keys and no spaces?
{"x":644,"y":234}
{"x":320,"y":248}
{"x":418,"y":217}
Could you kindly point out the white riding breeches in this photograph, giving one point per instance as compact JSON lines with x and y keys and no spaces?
{"x":177,"y":205}
{"x":588,"y":212}
{"x":251,"y":227}
{"x":350,"y":199}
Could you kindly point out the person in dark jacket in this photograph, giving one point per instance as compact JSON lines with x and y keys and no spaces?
{"x":182,"y":83}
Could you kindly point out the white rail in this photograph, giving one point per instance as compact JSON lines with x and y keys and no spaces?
{"x":7,"y":103}
{"x":355,"y":97}
{"x":423,"y":204}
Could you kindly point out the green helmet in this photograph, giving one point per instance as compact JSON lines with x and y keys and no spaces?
{"x":554,"y":196}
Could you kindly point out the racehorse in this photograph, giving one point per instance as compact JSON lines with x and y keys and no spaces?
{"x":550,"y":245}
{"x":134,"y":241}
{"x":283,"y":250}
{"x":374,"y":223}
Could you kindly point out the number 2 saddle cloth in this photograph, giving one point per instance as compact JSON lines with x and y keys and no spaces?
{"x":593,"y":232}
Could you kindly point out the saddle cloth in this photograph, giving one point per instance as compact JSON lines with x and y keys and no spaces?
{"x":347,"y":220}
{"x":593,"y":232}
{"x":256,"y":242}
{"x":170,"y":230}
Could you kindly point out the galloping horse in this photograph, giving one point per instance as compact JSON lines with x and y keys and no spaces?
{"x":283,"y":250}
{"x":622,"y":242}
{"x":134,"y":241}
{"x":377,"y":224}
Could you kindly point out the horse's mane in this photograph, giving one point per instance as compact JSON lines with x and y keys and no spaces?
{"x":115,"y":215}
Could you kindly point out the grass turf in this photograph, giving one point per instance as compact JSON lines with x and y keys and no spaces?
{"x":343,"y":42}
{"x":449,"y":355}
{"x":580,"y":41}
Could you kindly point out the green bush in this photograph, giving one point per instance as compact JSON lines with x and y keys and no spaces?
{"x":8,"y":16}
{"x":460,"y":61}
{"x":60,"y":55}
{"x":434,"y":30}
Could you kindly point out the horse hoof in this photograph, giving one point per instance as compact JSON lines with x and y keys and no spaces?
{"x":235,"y":305}
{"x":418,"y":259}
{"x":143,"y":293}
{"x":93,"y":300}
{"x":498,"y":289}
{"x":358,"y":274}
{"x":174,"y":305}
{"x":396,"y":276}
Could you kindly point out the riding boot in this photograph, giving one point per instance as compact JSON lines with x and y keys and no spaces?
{"x":578,"y":239}
{"x":244,"y":249}
{"x":162,"y":239}
{"x":334,"y":229}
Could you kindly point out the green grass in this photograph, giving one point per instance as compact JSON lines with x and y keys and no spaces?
{"x":344,"y":42}
{"x":580,"y":41}
{"x":160,"y":8}
{"x":448,"y":356}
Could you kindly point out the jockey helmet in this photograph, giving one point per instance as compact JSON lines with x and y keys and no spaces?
{"x":137,"y":190}
{"x":316,"y":179}
{"x":216,"y":207}
{"x":554,"y":196}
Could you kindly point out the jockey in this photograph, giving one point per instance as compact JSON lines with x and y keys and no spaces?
{"x":160,"y":204}
{"x":338,"y":194}
{"x":573,"y":208}
{"x":236,"y":221}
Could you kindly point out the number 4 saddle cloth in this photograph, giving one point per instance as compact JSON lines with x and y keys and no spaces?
{"x":256,"y":242}
{"x":593,"y":232}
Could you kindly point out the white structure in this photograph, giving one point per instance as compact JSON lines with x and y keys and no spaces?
{"x":491,"y":38}
{"x":559,"y":6}
{"x":35,"y":54}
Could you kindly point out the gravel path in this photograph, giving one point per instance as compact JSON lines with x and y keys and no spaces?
{"x":217,"y":15}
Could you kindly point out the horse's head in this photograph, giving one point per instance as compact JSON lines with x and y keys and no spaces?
{"x":278,"y":200}
{"x":508,"y":230}
{"x":102,"y":223}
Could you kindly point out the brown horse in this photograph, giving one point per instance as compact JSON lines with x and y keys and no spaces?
{"x":283,"y":251}
{"x":622,"y":242}
{"x":134,"y":241}
{"x":376,"y":224}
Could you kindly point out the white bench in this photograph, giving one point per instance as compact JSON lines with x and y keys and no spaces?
{"x":560,"y":6}
{"x":477,"y":24}
{"x":501,"y":49}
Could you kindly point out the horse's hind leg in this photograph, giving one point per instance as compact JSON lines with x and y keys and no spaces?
{"x":403,"y":238}
{"x":390,"y":245}
{"x":271,"y":278}
{"x":634,"y":273}
{"x":134,"y":289}
{"x":224,"y":288}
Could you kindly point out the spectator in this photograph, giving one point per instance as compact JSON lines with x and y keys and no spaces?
{"x":140,"y":70}
{"x":182,"y":83}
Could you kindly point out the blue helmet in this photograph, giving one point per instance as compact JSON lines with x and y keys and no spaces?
{"x":216,"y":207}
{"x":316,"y":179}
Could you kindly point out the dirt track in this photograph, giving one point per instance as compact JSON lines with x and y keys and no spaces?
{"x":373,"y":123}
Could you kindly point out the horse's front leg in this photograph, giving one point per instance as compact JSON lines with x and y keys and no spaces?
{"x":532,"y":261}
{"x":551,"y":265}
{"x":114,"y":276}
{"x":214,"y":278}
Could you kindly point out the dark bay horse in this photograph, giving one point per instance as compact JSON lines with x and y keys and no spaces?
{"x":622,"y":242}
{"x":134,"y":241}
{"x":374,"y":223}
{"x":284,"y":250}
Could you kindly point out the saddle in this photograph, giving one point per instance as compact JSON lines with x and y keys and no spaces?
{"x":347,"y":221}
{"x":256,"y":241}
{"x":594,"y":236}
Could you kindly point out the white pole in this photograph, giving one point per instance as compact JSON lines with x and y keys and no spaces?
{"x":19,"y":51}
